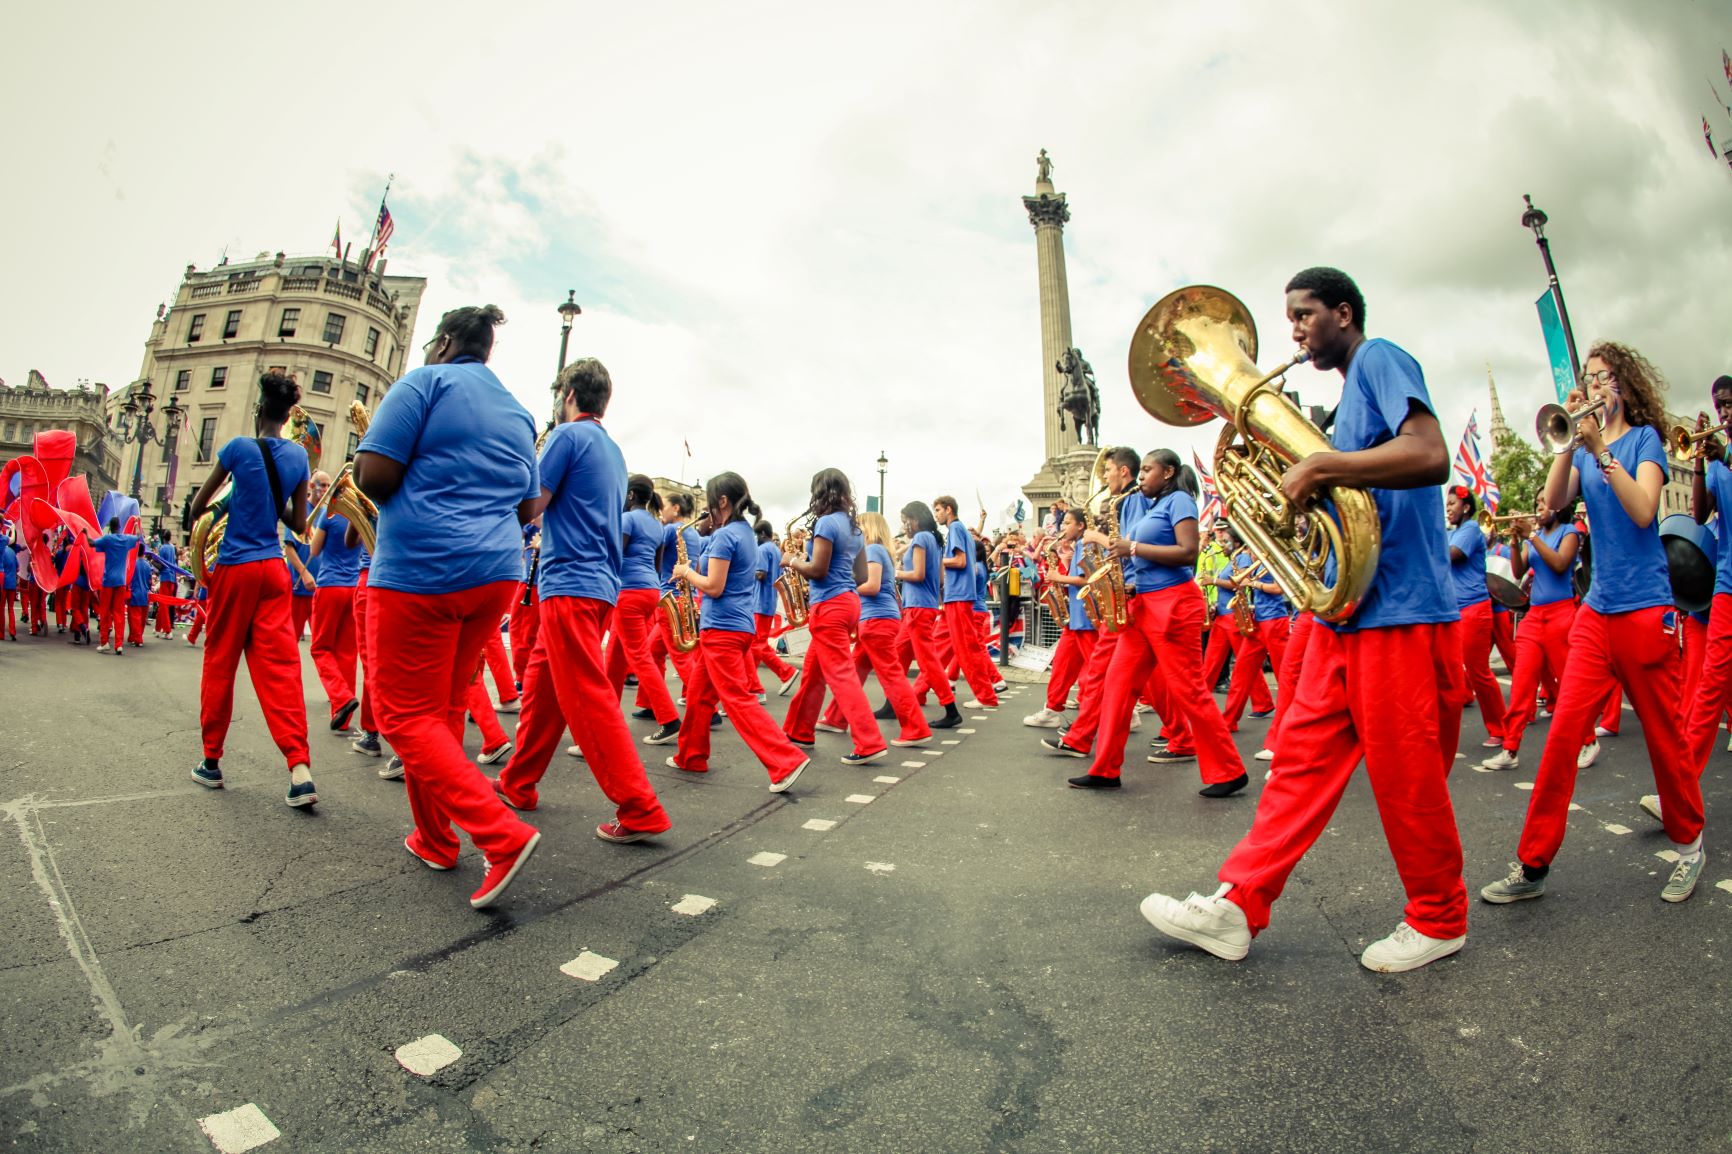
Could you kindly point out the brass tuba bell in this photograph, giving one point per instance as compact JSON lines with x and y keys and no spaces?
{"x":1193,"y":358}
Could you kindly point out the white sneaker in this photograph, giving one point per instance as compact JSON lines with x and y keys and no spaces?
{"x":978,"y":705}
{"x":1136,"y":723}
{"x":1590,"y":753}
{"x":574,"y":751}
{"x":1210,"y":923}
{"x":1044,"y":719}
{"x":1650,"y":804}
{"x":1407,"y":949}
{"x":493,"y":756}
{"x":826,"y":727}
{"x":1143,"y":707}
{"x":103,"y":649}
{"x":1265,"y":755}
{"x":1000,"y":686}
{"x":1503,"y":759}
{"x":1602,"y":731}
{"x":515,"y":705}
{"x":787,"y":686}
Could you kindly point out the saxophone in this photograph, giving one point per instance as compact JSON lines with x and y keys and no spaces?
{"x":1108,"y":601}
{"x":1243,"y":610}
{"x":794,"y":590}
{"x":678,"y":604}
{"x":1051,"y":594}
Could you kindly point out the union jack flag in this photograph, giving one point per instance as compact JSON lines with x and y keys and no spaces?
{"x":1471,"y":469}
{"x":1212,"y":509}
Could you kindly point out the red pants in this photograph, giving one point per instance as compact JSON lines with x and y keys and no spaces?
{"x":38,"y":609}
{"x":830,"y":664}
{"x":8,"y":618}
{"x":335,"y":642}
{"x":566,"y":685}
{"x":111,"y":615}
{"x":200,"y":618}
{"x":628,"y":647}
{"x":765,"y":654}
{"x":1503,"y":631}
{"x":1067,"y":666}
{"x":1542,"y":646}
{"x":498,"y":664}
{"x":165,"y":612}
{"x":1221,"y":635}
{"x":369,"y":724}
{"x":1391,"y":697}
{"x":1248,"y":682}
{"x":1476,"y":660}
{"x":1163,"y":634}
{"x":876,"y":651}
{"x":134,"y":624}
{"x":421,"y":682}
{"x":1287,"y":673}
{"x":1640,"y":652}
{"x":1712,"y":687}
{"x":525,"y":621}
{"x":300,"y":612}
{"x":921,"y":627}
{"x":480,"y":708}
{"x":970,"y":649}
{"x":248,"y":612}
{"x":723,"y":670}
{"x":1089,"y":693}
{"x":661,"y":650}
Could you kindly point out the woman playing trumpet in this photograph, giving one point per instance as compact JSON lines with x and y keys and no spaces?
{"x":1549,"y":547}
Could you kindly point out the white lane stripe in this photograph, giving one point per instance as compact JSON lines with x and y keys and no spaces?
{"x":243,"y":1128}
{"x":694,"y":904}
{"x":905,"y":765}
{"x":1574,"y":807}
{"x":429,"y":1055}
{"x":1667,"y":855}
{"x":767,"y":859}
{"x":880,"y":867}
{"x":1614,"y":827}
{"x":819,"y":824}
{"x":967,"y":730}
{"x":1524,"y":785}
{"x":588,"y":967}
{"x":954,"y":741}
{"x":1725,"y":885}
{"x":887,"y":780}
{"x":860,"y":799}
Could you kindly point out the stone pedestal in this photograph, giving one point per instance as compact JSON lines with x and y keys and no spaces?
{"x":1058,"y":477}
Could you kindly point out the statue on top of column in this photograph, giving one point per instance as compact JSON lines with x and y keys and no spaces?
{"x":1080,"y":397}
{"x":1043,"y":168}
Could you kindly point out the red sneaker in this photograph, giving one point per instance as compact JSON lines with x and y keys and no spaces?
{"x":529,"y":801}
{"x":615,"y":831}
{"x":428,"y":859}
{"x":501,"y":873}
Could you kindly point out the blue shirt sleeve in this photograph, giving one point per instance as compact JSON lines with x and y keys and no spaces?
{"x":558,"y":458}
{"x":397,"y":425}
{"x":1394,"y":381}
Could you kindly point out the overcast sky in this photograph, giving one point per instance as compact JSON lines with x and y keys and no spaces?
{"x":796,"y":230}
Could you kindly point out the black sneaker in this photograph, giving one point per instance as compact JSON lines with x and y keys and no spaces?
{"x":716,"y":719}
{"x":664,"y":734}
{"x":1225,"y":788}
{"x":1094,"y":781}
{"x":865,"y":758}
{"x":1167,"y":756}
{"x":951,"y":719}
{"x":631,"y":680}
{"x":643,"y":715}
{"x":1054,"y":745}
{"x":884,"y":712}
{"x":340,"y":719}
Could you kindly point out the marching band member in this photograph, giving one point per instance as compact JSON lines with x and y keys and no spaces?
{"x":248,"y":607}
{"x":921,"y":575}
{"x":303,"y":581}
{"x":367,"y":740}
{"x":449,"y":457}
{"x":879,"y":633}
{"x":1248,"y":683}
{"x":165,"y":553}
{"x":676,"y":512}
{"x":639,"y":593}
{"x":1473,"y":602}
{"x":1385,"y":687}
{"x":833,"y":616}
{"x":723,"y":668}
{"x":1166,"y":618}
{"x":764,"y":613}
{"x":1626,"y":630}
{"x":138,"y":598}
{"x":335,"y":646}
{"x":588,"y":544}
{"x":960,"y":590}
{"x":1543,"y":637}
{"x":9,"y":566}
{"x":1216,"y":577}
{"x":35,"y":597}
{"x":115,"y":547}
{"x":1078,"y":639}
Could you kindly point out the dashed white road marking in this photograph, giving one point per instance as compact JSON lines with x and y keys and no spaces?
{"x":427,"y":1056}
{"x":932,"y":753}
{"x":243,"y":1128}
{"x":767,"y":859}
{"x":1528,"y":785}
{"x":880,"y":867}
{"x":820,"y":824}
{"x":886,"y":779}
{"x":1725,"y":885}
{"x":1667,"y":855}
{"x":1614,"y":827}
{"x":588,"y":967}
{"x":967,"y":730}
{"x":694,"y":904}
{"x":860,"y":799}
{"x":977,"y":717}
{"x":953,"y":741}
{"x":905,"y":765}
{"x":1574,"y":807}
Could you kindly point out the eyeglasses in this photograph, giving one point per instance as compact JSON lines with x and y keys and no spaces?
{"x":1603,"y":377}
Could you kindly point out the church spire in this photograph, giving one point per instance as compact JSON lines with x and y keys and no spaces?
{"x":1498,"y":428}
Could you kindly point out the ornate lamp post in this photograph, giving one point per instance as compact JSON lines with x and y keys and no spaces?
{"x":1535,"y":219}
{"x":136,"y":428}
{"x":569,"y":310}
{"x":883,"y":464}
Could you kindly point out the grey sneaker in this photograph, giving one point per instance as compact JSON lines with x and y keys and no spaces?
{"x":1515,"y":888}
{"x":393,"y":770}
{"x":1684,"y":877}
{"x":1650,"y":804}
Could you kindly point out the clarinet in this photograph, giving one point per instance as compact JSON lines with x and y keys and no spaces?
{"x":534,"y":569}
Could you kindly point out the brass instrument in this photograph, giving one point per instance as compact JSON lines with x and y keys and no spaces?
{"x":1489,"y":523}
{"x":344,"y":499}
{"x":1557,"y":427}
{"x":1105,"y":598}
{"x":1243,"y":609}
{"x":678,"y":604}
{"x":794,"y":590}
{"x":1193,"y":358}
{"x":1688,"y":444}
{"x":206,"y":540}
{"x":1052,"y":595}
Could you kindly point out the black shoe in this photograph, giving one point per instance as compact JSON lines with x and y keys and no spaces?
{"x":664,"y":734}
{"x":715,"y":721}
{"x":1264,"y":715}
{"x":803,"y":744}
{"x":340,"y":719}
{"x":1167,"y":756}
{"x":1054,"y":745}
{"x":631,"y":679}
{"x":1094,"y":781}
{"x":885,"y":713}
{"x":951,"y":719}
{"x":643,"y":715}
{"x":1226,"y":788}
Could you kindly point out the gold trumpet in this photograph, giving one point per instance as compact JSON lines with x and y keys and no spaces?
{"x":680,"y":607}
{"x":1687,"y":444}
{"x":1559,"y":429}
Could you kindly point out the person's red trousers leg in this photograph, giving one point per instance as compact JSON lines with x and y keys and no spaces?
{"x":922,"y":628}
{"x":1542,"y":642}
{"x":421,"y":687}
{"x":1695,"y":648}
{"x":1091,"y":693}
{"x":763,"y":652}
{"x":1219,"y":649}
{"x":1476,"y":660}
{"x":334,"y":643}
{"x":111,"y":616}
{"x":971,"y":652}
{"x":878,"y":643}
{"x":1274,"y":635}
{"x":1712,"y":691}
{"x":165,"y":612}
{"x":369,"y":724}
{"x":1248,"y":684}
{"x":830,"y":664}
{"x":62,"y":604}
{"x":300,"y":612}
{"x":1639,"y":651}
{"x":38,"y":610}
{"x":499,"y":664}
{"x":524,"y":620}
{"x":1287,"y":673}
{"x":480,"y":707}
{"x":1612,"y":716}
{"x":1391,"y":697}
{"x":1068,"y":663}
{"x":862,"y":669}
{"x":1158,"y":692}
{"x":724,"y":671}
{"x":1503,"y":638}
{"x":566,"y":685}
{"x":628,"y":648}
{"x":200,"y":617}
{"x":135,"y":624}
{"x":248,"y":614}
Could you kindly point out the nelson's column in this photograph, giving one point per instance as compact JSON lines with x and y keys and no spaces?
{"x":1069,"y":398}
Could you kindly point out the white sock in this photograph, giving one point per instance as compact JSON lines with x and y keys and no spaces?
{"x":1689,"y":852}
{"x":300,"y":775}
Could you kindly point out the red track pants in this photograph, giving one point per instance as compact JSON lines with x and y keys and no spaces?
{"x":1638,"y":650}
{"x":830,"y":665}
{"x":1068,"y":663}
{"x":38,"y":609}
{"x":1712,"y":694}
{"x":876,"y":650}
{"x":200,"y":618}
{"x":498,"y":664}
{"x":423,"y":650}
{"x":1249,"y":684}
{"x":248,"y":612}
{"x":1541,"y":648}
{"x":480,"y":709}
{"x":1221,"y":635}
{"x":165,"y":612}
{"x":1476,"y":661}
{"x":764,"y":653}
{"x":135,"y":624}
{"x":1503,"y":632}
{"x":661,"y":650}
{"x":1392,"y":698}
{"x":300,"y":612}
{"x":566,"y":685}
{"x":335,"y":642}
{"x":111,"y":615}
{"x":1090,"y":693}
{"x":921,"y":627}
{"x":723,"y":670}
{"x":525,"y":620}
{"x":628,"y":648}
{"x":966,"y":640}
{"x":1162,"y":635}
{"x":369,"y":724}
{"x":1287,"y":673}
{"x":8,"y":618}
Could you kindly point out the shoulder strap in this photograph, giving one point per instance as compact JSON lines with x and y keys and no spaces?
{"x":275,"y":480}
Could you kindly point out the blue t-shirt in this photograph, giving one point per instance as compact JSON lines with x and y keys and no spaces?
{"x":1079,"y":618}
{"x":671,"y":551}
{"x":1155,"y":527}
{"x":115,"y":549}
{"x":1267,"y":606}
{"x":1412,"y":585}
{"x":469,"y":448}
{"x":1629,"y":563}
{"x":583,"y":528}
{"x":251,"y":530}
{"x":1719,"y":481}
{"x":881,"y":606}
{"x":770,"y":565}
{"x":1549,"y":586}
{"x":958,"y":583}
{"x":925,"y":593}
{"x":731,"y":612}
{"x":165,"y":552}
{"x":846,"y":541}
{"x":138,"y":593}
{"x":638,"y":569}
{"x":8,"y":566}
{"x":1468,"y":573}
{"x":309,"y":562}
{"x":340,"y":565}
{"x":982,"y":580}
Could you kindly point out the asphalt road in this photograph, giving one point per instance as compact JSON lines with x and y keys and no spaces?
{"x":957,"y":964}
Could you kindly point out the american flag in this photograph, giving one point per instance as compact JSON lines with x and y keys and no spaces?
{"x":1471,"y":469}
{"x":1212,"y":508}
{"x":382,"y":230}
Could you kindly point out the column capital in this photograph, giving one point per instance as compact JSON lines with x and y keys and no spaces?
{"x":1045,"y":209}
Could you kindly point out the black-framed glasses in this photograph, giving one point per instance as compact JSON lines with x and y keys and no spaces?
{"x":1603,"y":377}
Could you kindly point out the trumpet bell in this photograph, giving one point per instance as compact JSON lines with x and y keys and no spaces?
{"x":1186,"y":345}
{"x":1555,"y":430}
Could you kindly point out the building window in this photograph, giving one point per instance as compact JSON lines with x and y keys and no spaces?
{"x":11,"y":430}
{"x":183,"y":380}
{"x":291,"y":320}
{"x":354,"y":443}
{"x":334,"y":328}
{"x":321,"y":382}
{"x":161,"y":497}
{"x":206,"y":435}
{"x":219,"y":376}
{"x":195,"y":329}
{"x":362,"y":393}
{"x":232,"y":325}
{"x":372,"y":342}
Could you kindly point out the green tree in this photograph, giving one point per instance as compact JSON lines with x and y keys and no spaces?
{"x":1520,"y":470}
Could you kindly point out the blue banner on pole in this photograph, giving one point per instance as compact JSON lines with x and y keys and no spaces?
{"x":1557,"y":346}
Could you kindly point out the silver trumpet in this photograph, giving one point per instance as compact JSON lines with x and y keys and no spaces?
{"x":1559,"y":429}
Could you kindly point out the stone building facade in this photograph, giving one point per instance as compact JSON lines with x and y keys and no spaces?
{"x":38,"y":406}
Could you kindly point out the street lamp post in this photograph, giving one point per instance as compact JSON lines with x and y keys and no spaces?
{"x":569,"y":310}
{"x":136,"y":429}
{"x":1535,"y":219}
{"x":883,"y":464}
